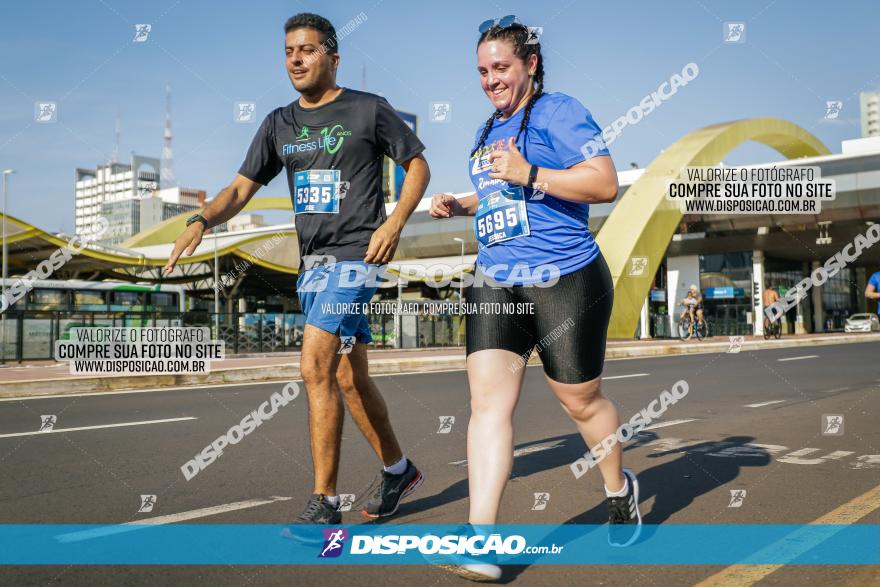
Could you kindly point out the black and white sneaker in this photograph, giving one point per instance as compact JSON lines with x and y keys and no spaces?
{"x":318,"y":511}
{"x":392,"y":489}
{"x":624,"y":517}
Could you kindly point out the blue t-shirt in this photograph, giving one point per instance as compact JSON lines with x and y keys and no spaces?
{"x":875,"y":281}
{"x":558,"y":231}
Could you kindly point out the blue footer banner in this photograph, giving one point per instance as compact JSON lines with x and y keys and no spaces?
{"x":242,"y":544}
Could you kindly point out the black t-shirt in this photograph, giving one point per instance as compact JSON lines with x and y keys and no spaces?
{"x":351,"y":134}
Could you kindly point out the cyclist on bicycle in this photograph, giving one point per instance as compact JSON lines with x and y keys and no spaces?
{"x":770,"y":298}
{"x":693,"y":304}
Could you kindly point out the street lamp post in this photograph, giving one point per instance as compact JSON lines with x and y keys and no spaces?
{"x":216,"y":292}
{"x":6,"y":174}
{"x":460,"y":279}
{"x":461,"y":269}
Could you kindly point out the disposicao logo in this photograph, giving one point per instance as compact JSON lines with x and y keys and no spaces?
{"x":334,"y":542}
{"x":447,"y":544}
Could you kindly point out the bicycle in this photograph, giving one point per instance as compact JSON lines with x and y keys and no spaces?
{"x":700,"y":330}
{"x":773,"y":329}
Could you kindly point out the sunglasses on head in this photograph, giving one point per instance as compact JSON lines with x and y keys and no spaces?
{"x":503,"y":22}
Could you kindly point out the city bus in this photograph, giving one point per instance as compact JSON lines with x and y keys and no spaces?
{"x":96,"y":296}
{"x":46,"y":310}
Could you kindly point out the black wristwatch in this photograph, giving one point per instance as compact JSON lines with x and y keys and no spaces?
{"x":533,"y":176}
{"x":197,"y":218}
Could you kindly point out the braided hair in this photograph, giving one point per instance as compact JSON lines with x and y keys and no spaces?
{"x":517,"y":35}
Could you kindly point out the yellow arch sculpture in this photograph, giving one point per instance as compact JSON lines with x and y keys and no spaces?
{"x":643,"y":222}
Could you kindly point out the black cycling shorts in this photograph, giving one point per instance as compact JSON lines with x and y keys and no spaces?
{"x":569,"y":323}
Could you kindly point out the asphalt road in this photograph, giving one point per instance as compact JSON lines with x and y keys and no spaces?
{"x":687,"y":466}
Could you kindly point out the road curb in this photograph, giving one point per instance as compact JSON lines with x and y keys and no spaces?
{"x":289,"y":372}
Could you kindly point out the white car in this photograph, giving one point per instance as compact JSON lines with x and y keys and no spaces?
{"x":862,"y":323}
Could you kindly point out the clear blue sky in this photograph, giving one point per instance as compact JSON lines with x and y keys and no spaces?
{"x":607,"y":54}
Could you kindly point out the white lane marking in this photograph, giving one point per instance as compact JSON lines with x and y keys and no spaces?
{"x":215,"y":385}
{"x":797,"y":457}
{"x":127,"y":391}
{"x":121,"y":424}
{"x":543,"y":447}
{"x":168,"y":519}
{"x":522,"y":451}
{"x":836,"y":389}
{"x":625,"y":376}
{"x":716,"y":448}
{"x":770,"y":403}
{"x":669,"y":423}
{"x":798,"y":358}
{"x":197,"y":387}
{"x":455,"y":370}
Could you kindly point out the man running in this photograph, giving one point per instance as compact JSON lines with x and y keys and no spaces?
{"x":332,"y":142}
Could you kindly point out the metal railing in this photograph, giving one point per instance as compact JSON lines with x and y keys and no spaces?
{"x":273,"y":332}
{"x":31,"y":334}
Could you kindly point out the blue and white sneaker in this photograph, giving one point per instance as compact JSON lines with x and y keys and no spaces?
{"x":481,"y":570}
{"x":624,"y":517}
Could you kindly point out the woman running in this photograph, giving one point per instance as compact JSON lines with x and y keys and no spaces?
{"x":537,"y":165}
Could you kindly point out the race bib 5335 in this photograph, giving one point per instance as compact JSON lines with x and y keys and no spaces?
{"x":316,"y":191}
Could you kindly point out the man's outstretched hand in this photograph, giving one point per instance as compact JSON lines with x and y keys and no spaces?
{"x":188,"y":241}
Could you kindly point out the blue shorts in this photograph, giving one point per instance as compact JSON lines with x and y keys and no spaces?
{"x":333,"y":296}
